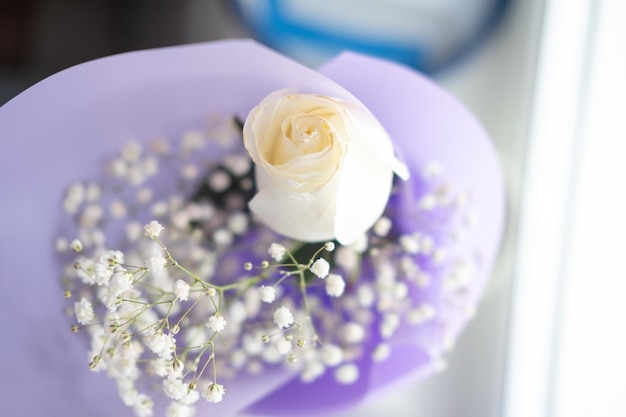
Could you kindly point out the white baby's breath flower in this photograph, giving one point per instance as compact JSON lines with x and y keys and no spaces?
{"x":76,"y":245}
{"x":84,"y":311}
{"x":131,"y":151}
{"x":164,"y":367}
{"x":410,"y":244}
{"x":91,"y":215}
{"x":219,"y":181}
{"x":214,"y":393}
{"x":237,"y":164}
{"x":353,"y":333}
{"x":324,"y":167}
{"x":155,"y":263}
{"x":112,"y":257}
{"x":160,"y":343}
{"x":102,"y":273}
{"x":61,"y":245}
{"x":346,"y":258}
{"x":332,"y":355}
{"x":76,"y":193}
{"x":190,"y":397}
{"x":277,"y":251}
{"x":93,"y":192}
{"x":133,"y":231}
{"x":329,"y":246}
{"x":153,"y":229}
{"x":84,"y":270}
{"x":347,"y":374}
{"x":237,"y":312}
{"x":176,"y":409}
{"x":175,"y":388}
{"x":335,"y":285}
{"x":252,"y":343}
{"x":118,"y":209}
{"x":238,"y":223}
{"x":365,"y":295}
{"x":321,"y":268}
{"x":223,"y":237}
{"x":283,"y":317}
{"x":189,"y":172}
{"x":120,"y":282}
{"x":181,"y":290}
{"x":216,"y":323}
{"x":383,"y":226}
{"x":360,"y":244}
{"x":143,"y":406}
{"x":271,"y":355}
{"x":267,"y":294}
{"x":128,"y":392}
{"x":312,"y":370}
{"x":283,"y":345}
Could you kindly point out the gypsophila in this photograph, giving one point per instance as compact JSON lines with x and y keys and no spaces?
{"x":84,"y":311}
{"x":320,"y":268}
{"x":267,"y":294}
{"x":179,"y":410}
{"x":216,"y":323}
{"x":277,"y":251}
{"x":175,"y":388}
{"x":181,"y":290}
{"x":283,"y":345}
{"x":214,"y":393}
{"x":155,"y":263}
{"x":335,"y":285}
{"x":152,"y":229}
{"x":332,"y":355}
{"x":283,"y":317}
{"x":76,"y":245}
{"x":143,"y":406}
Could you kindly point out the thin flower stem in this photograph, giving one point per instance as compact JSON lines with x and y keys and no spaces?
{"x":286,"y":275}
{"x":305,"y":300}
{"x":211,"y":358}
{"x":312,"y":260}
{"x":216,"y":306}
{"x":186,"y":313}
{"x":248,"y":282}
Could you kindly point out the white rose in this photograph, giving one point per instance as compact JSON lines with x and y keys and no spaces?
{"x":324,"y":167}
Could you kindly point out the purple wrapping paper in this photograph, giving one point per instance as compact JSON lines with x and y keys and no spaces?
{"x":61,"y":130}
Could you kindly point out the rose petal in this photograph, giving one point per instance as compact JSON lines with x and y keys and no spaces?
{"x":302,"y":213}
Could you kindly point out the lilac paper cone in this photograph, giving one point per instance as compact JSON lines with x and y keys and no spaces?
{"x":63,"y":128}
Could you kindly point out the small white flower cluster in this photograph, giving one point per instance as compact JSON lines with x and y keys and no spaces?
{"x":108,"y":273}
{"x":283,"y":317}
{"x":133,"y":330}
{"x":153,"y":229}
{"x":187,"y":306}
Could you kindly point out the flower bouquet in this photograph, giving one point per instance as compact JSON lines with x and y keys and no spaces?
{"x":241,"y":233}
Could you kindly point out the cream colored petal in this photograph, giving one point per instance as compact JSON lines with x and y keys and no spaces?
{"x":307,"y":217}
{"x":365,"y":181}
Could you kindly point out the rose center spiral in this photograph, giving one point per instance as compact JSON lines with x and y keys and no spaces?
{"x":309,"y":134}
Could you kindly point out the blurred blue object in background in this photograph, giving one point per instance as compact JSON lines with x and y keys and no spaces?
{"x":429,"y":35}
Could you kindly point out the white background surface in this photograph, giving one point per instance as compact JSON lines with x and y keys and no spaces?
{"x":568,"y":333}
